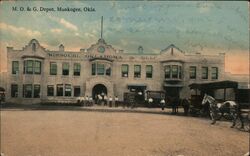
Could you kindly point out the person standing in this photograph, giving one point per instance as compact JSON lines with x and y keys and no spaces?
{"x":116,"y":101}
{"x":110,"y":101}
{"x":162,"y":103}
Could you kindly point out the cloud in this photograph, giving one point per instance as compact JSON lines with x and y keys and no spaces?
{"x":56,"y":30}
{"x":19,"y":30}
{"x":64,"y":23}
{"x":68,"y":24}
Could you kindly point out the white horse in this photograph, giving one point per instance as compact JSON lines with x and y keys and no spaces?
{"x":229,"y":107}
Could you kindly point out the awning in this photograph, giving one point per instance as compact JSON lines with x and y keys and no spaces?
{"x":214,"y":85}
{"x":142,"y":86}
{"x":172,"y":85}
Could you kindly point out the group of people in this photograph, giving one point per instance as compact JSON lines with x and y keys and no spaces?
{"x":100,"y":99}
{"x":104,"y":100}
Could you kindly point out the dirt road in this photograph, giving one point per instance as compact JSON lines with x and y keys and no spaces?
{"x":77,"y":133}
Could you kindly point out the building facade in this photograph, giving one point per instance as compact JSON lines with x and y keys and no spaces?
{"x":36,"y":74}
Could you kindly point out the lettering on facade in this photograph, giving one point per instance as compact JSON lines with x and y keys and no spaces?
{"x":85,"y":56}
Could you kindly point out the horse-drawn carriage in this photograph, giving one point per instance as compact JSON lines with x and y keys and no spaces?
{"x":154,"y":98}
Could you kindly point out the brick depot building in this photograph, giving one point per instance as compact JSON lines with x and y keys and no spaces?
{"x":36,"y":74}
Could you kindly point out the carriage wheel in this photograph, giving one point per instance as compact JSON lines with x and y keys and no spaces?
{"x":238,"y":123}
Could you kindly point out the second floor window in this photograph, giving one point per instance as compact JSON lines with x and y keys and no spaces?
{"x":174,"y":71}
{"x":37,"y":67}
{"x":32,"y":67}
{"x":149,"y":71}
{"x":53,"y":68}
{"x":204,"y":73}
{"x":124,"y":70}
{"x":137,"y":71}
{"x":77,"y":69}
{"x":65,"y":69}
{"x":214,"y":73}
{"x":192,"y":72}
{"x":100,"y":69}
{"x":15,"y":67}
{"x":167,"y":71}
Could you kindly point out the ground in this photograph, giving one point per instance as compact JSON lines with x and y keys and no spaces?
{"x":77,"y":132}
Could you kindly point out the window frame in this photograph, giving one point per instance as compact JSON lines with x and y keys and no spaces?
{"x":77,"y":69}
{"x":149,"y":73}
{"x":66,"y":92}
{"x":214,"y":75}
{"x":192,"y":74}
{"x":125,"y":73}
{"x":49,"y":93}
{"x":15,"y":67}
{"x":137,"y":74}
{"x":53,"y":68}
{"x":204,"y":76}
{"x":14,"y":94}
{"x":26,"y":93}
{"x":65,"y":71}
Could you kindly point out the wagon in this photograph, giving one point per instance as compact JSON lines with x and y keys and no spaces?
{"x":157,"y":96}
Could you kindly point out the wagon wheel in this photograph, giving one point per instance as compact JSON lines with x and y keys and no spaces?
{"x":246,"y":121}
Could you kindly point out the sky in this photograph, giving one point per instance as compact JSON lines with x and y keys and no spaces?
{"x":205,"y":27}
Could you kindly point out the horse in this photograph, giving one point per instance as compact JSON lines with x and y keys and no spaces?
{"x":229,"y":107}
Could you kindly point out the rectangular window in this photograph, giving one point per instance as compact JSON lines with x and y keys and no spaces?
{"x":28,"y":67}
{"x":77,"y":91}
{"x":124,"y":70}
{"x":67,"y":90}
{"x":77,"y":69}
{"x":59,"y":90}
{"x":50,"y":90}
{"x":174,"y":71}
{"x":167,"y":71}
{"x":65,"y":69}
{"x":204,"y":73}
{"x":100,"y":69}
{"x":137,"y":71}
{"x":93,"y":69}
{"x":14,"y":90}
{"x":149,"y":71}
{"x":53,"y":68}
{"x":192,"y":72}
{"x":180,"y":72}
{"x":37,"y":67}
{"x":15,"y":67}
{"x":36,"y":91}
{"x":214,"y":73}
{"x":27,"y":90}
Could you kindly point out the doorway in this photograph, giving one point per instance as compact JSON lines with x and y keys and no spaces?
{"x":99,"y":89}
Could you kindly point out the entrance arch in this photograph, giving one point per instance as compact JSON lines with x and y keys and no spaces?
{"x":99,"y":89}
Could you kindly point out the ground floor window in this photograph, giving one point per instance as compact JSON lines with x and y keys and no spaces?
{"x":67,"y":90}
{"x":27,"y":90}
{"x":77,"y":91}
{"x":50,"y":90}
{"x":59,"y":90}
{"x":14,"y":90}
{"x":36,"y":91}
